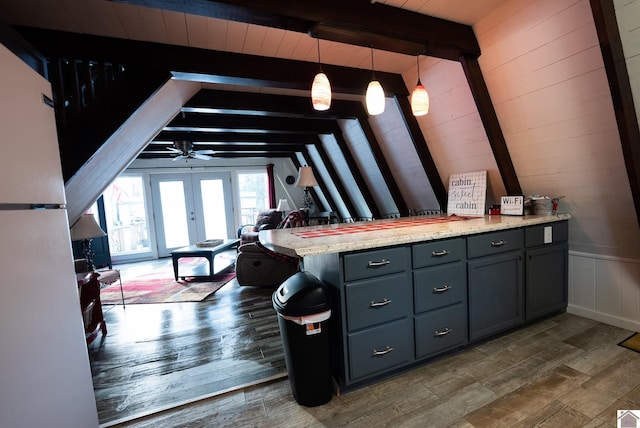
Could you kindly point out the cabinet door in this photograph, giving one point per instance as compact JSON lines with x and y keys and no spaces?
{"x":546,"y":280}
{"x":496,"y":294}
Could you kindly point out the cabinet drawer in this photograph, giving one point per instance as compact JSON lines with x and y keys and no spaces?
{"x":439,"y":286}
{"x":439,"y":252}
{"x":377,"y":349}
{"x":377,"y":300}
{"x":375,"y":263}
{"x":494,"y":243}
{"x":439,"y":330}
{"x":535,"y":235}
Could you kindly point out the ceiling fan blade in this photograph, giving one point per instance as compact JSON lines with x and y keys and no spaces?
{"x":180,"y":157}
{"x":205,"y":152}
{"x":174,"y":150}
{"x":201,"y":156}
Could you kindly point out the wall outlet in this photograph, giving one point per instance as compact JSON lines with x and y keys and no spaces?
{"x":548,"y":234}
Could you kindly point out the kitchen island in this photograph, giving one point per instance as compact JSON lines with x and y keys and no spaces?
{"x":407,"y":290}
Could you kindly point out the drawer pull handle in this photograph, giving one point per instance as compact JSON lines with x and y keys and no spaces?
{"x":444,"y":332}
{"x":439,"y":253}
{"x":378,"y":304}
{"x":378,"y":264}
{"x":441,"y":289}
{"x":500,"y":243}
{"x":385,"y":351}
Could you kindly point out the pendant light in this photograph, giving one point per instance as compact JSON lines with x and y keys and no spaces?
{"x":321,"y":88}
{"x":419,"y":96}
{"x":375,"y":94}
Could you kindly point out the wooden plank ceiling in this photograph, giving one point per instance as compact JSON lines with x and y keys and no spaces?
{"x":256,"y":124}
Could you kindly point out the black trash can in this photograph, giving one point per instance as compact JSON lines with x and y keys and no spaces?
{"x":304,"y":311}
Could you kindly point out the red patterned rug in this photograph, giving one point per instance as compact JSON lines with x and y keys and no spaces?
{"x":162,"y":290}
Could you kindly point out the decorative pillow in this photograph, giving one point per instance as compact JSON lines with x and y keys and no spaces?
{"x":268,"y":216}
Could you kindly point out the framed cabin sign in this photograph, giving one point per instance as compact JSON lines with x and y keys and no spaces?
{"x":512,"y":205}
{"x":467,"y":193}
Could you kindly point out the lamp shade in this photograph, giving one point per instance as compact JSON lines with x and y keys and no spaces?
{"x":419,"y":100}
{"x":321,"y":92}
{"x":86,"y":228}
{"x":375,"y":98}
{"x":305,"y":177}
{"x":283,"y":205}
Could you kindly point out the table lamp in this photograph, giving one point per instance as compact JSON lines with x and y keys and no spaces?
{"x":306,"y":179}
{"x":283,"y":206}
{"x":85,"y":229}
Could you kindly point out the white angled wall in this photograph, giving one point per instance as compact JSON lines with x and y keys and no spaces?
{"x":605,"y":289}
{"x":602,"y":287}
{"x":543,"y":67}
{"x":628,"y":17}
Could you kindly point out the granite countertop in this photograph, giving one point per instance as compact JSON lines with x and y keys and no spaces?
{"x":382,"y":233}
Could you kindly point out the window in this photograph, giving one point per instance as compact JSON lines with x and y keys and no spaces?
{"x":125,"y":211}
{"x":254,"y":195}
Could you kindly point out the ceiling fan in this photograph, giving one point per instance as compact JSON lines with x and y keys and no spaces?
{"x":185,"y":150}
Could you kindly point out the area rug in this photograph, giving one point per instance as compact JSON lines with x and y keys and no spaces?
{"x":162,"y":290}
{"x":632,"y":342}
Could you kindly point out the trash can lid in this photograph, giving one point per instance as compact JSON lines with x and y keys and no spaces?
{"x":301,"y":294}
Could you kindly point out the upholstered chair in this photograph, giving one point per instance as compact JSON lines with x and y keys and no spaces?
{"x":266,"y":219}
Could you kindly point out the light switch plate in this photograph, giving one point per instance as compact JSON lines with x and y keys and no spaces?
{"x":548,"y":234}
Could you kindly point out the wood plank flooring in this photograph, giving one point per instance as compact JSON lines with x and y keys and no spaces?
{"x":565,"y":371}
{"x":157,"y":356}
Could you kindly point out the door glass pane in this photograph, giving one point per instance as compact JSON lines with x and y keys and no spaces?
{"x":215,"y":222}
{"x":253,"y":195}
{"x":126,"y":215}
{"x":174,"y":214}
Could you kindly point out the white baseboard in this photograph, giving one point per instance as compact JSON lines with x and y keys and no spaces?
{"x":605,"y":318}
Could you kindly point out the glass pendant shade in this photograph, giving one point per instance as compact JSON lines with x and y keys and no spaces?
{"x":321,"y":92}
{"x":419,"y":100}
{"x":375,"y":98}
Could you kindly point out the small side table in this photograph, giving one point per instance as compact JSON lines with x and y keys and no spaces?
{"x":108,"y":277}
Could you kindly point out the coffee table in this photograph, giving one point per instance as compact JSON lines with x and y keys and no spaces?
{"x":208,"y":253}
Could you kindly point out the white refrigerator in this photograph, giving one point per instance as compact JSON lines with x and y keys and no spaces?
{"x":45,"y":376}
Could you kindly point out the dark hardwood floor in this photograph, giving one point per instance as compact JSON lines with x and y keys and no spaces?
{"x":563,"y":372}
{"x":157,"y":356}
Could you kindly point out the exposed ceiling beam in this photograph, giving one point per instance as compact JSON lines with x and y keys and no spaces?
{"x":604,"y":15}
{"x":208,"y":100}
{"x":383,"y":166}
{"x":420,"y":144}
{"x":356,"y":22}
{"x":237,"y":138}
{"x":248,"y":124}
{"x":207,"y":65}
{"x":219,"y":101}
{"x":491,"y":125}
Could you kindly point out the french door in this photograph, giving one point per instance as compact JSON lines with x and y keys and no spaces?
{"x":189,"y":208}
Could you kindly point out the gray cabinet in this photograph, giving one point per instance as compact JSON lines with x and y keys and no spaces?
{"x":377,"y":318}
{"x":398,"y":306}
{"x":496,"y":282}
{"x":546,"y":267}
{"x":440,"y":296}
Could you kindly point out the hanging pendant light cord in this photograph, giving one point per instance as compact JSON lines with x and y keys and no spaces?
{"x":373,"y":73}
{"x":418,"y":64}
{"x":319,"y":63}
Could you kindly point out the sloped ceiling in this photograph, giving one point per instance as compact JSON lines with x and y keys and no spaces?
{"x":398,"y":32}
{"x":543,"y":68}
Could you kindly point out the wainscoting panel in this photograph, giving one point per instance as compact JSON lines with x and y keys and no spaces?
{"x":605,"y":289}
